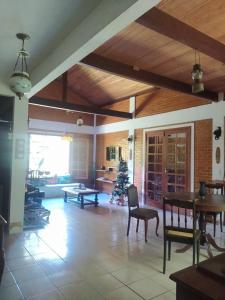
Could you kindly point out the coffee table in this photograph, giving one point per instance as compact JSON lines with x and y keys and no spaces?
{"x":78,"y":196}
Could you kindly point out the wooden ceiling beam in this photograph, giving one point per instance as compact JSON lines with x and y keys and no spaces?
{"x":167,"y":25}
{"x":64,"y":86}
{"x":127,"y":71}
{"x":80,"y":108}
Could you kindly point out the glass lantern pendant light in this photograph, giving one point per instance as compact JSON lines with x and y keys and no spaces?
{"x":20,"y":82}
{"x":197,"y":74}
{"x":80,"y":121}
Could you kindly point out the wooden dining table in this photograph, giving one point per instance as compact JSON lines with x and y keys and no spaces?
{"x":212,"y":203}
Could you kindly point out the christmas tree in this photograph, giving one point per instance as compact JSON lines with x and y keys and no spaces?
{"x":120,"y":189}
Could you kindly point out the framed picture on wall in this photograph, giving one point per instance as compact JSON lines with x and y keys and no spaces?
{"x":113,"y":153}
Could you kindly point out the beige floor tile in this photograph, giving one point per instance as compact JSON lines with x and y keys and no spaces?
{"x":28,"y":273}
{"x":64,"y":277}
{"x":104,"y":284}
{"x":128,"y":275}
{"x":37,"y":286}
{"x":16,"y":252}
{"x":7,"y":280}
{"x":123,"y":293}
{"x":164,"y":281}
{"x":11,"y":293}
{"x":80,"y":246}
{"x":147,"y":288}
{"x":166,"y":296}
{"x":80,"y":291}
{"x":52,"y":295}
{"x":20,"y":262}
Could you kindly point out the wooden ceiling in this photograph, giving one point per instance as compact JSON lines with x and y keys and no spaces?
{"x":157,"y":51}
{"x":100,"y":87}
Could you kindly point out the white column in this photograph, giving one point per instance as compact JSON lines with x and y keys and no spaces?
{"x":94,"y":151}
{"x":19,"y":164}
{"x":131,"y":144}
{"x":218,"y":120}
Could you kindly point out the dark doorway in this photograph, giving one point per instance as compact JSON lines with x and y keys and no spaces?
{"x":6,"y":115}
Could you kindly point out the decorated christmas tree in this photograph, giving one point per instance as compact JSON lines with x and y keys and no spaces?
{"x":120,"y":189}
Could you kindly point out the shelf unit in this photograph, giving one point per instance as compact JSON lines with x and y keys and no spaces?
{"x":105,"y":183}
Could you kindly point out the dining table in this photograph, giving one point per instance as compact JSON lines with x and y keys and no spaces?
{"x":209,"y":202}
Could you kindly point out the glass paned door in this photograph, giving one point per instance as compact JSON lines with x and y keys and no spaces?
{"x":167,"y":163}
{"x":154,"y":166}
{"x":177,"y":152}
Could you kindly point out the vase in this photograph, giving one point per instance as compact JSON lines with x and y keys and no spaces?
{"x":202,"y":189}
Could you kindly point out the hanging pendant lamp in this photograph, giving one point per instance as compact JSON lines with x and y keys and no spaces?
{"x":197,"y":74}
{"x":20,"y":82}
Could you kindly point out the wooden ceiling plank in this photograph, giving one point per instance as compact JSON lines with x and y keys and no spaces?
{"x":143,"y":76}
{"x":167,"y":25}
{"x":77,"y":107}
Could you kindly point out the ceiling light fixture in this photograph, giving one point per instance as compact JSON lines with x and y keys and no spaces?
{"x":80,"y":121}
{"x":197,"y":74}
{"x":20,"y":82}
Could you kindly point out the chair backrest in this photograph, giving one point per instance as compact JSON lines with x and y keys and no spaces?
{"x":214,"y":188}
{"x":132,"y":195}
{"x":176,"y":211}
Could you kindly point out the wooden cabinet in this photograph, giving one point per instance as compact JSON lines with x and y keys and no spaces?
{"x":204,"y":282}
{"x":105,"y":180}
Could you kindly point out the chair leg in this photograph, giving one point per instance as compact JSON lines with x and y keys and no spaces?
{"x":157,"y":226}
{"x":214,"y":225}
{"x":169,"y":250}
{"x":198,"y":250}
{"x":137,"y":225}
{"x":146,"y":230}
{"x":128,"y":226}
{"x":194,"y":250}
{"x":164,"y":257}
{"x":221,"y":222}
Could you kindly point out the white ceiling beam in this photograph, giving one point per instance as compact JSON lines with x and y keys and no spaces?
{"x":106,"y":20}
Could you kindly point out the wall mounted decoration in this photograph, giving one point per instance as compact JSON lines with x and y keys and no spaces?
{"x":113,"y":153}
{"x":218,"y":155}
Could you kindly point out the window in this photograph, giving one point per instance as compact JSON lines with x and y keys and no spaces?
{"x":49,"y":154}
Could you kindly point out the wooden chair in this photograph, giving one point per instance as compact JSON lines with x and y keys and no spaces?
{"x":2,"y":253}
{"x":138,"y":212}
{"x":211,"y":188}
{"x":177,"y":230}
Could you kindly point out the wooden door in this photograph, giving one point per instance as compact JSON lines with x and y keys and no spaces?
{"x":167,"y":163}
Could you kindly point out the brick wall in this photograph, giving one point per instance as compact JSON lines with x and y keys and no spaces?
{"x":138,"y":159}
{"x":117,"y":139}
{"x":203,"y":151}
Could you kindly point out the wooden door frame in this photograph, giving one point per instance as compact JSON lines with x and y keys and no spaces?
{"x":156,"y":129}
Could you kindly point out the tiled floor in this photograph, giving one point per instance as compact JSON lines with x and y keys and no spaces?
{"x":85,"y":255}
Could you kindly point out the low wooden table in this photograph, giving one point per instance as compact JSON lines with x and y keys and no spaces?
{"x":205,"y":282}
{"x":78,"y":196}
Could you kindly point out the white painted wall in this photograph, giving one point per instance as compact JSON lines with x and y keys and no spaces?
{"x":19,"y":165}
